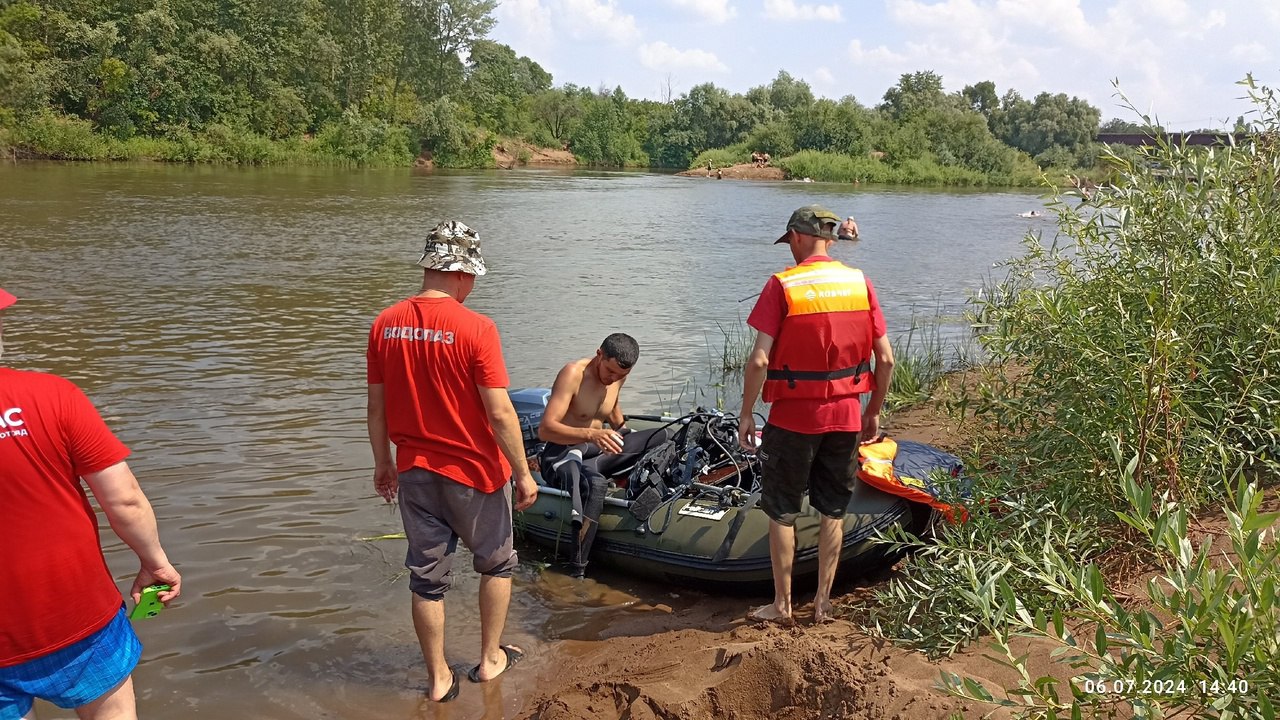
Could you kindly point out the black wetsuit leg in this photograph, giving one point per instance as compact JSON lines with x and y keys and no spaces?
{"x":573,"y":468}
{"x":584,"y":471}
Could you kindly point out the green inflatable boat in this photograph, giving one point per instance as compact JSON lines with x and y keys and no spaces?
{"x":685,"y":510}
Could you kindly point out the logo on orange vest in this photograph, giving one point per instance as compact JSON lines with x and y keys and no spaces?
{"x":810,"y":295}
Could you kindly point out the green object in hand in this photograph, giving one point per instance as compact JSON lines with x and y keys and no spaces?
{"x":149,"y":604}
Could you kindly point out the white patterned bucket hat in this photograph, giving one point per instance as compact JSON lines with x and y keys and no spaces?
{"x":453,"y":247}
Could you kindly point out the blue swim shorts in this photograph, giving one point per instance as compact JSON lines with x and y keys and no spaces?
{"x":76,"y":675}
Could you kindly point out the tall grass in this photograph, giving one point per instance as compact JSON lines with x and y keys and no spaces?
{"x":736,"y":340}
{"x":722,"y":157}
{"x":919,"y":362}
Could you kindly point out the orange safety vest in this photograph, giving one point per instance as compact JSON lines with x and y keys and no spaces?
{"x":875,"y":468}
{"x":823,"y":350}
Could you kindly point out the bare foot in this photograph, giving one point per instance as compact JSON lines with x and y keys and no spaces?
{"x":822,"y":612}
{"x":771,"y":614}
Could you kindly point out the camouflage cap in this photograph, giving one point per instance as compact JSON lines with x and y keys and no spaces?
{"x":813,"y":220}
{"x":453,"y":247}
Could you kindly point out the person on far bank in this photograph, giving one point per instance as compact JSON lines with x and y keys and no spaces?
{"x":64,"y":634}
{"x":438,"y":391}
{"x":817,"y":324}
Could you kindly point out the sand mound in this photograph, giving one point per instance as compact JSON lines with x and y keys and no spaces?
{"x":508,"y":155}
{"x":749,"y":673}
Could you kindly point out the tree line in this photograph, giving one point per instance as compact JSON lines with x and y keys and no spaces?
{"x":384,"y":81}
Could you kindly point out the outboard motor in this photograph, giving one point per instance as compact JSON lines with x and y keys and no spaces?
{"x":530,"y":404}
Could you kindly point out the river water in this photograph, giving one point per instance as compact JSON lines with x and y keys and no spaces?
{"x":217,"y":316}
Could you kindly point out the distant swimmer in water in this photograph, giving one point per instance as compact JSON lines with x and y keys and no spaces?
{"x":848,"y":229}
{"x":1030,"y":213}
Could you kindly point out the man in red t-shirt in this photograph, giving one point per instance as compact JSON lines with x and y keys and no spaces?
{"x":438,"y":391}
{"x":817,"y":326}
{"x":64,"y":636}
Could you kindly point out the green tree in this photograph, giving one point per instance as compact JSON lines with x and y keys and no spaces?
{"x":1050,"y":121}
{"x":915,"y":94}
{"x":787,"y":94}
{"x":459,"y":24}
{"x":558,"y":111}
{"x":707,"y":117}
{"x":981,"y":98}
{"x":498,"y":82}
{"x":368,"y":38}
{"x":605,"y":137}
{"x":25,"y":67}
{"x":961,"y":137}
{"x":829,"y":126}
{"x":450,"y":139}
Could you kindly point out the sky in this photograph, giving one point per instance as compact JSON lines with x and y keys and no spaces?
{"x":1177,"y":60}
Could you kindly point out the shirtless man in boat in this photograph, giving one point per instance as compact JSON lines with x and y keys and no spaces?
{"x":581,"y":454}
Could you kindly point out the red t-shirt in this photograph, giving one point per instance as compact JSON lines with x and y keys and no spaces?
{"x":809,"y":415}
{"x":55,"y":587}
{"x":432,"y":355}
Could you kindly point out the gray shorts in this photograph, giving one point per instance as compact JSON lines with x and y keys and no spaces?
{"x":437,"y":512}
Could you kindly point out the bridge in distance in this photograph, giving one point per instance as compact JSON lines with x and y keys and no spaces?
{"x":1176,"y":138}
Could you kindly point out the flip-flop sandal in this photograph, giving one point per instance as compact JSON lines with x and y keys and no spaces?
{"x":514,"y":656}
{"x":453,"y":691}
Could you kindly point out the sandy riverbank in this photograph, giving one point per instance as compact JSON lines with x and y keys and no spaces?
{"x":743,"y":171}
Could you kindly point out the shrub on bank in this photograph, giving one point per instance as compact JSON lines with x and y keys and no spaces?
{"x":1205,"y":645}
{"x":61,"y":138}
{"x":1144,"y":330}
{"x":365,"y":141}
{"x":241,"y":146}
{"x":722,"y":157}
{"x":833,"y":167}
{"x":349,"y":141}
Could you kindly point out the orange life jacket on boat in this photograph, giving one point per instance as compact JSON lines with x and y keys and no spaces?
{"x":875,"y":468}
{"x":823,"y":350}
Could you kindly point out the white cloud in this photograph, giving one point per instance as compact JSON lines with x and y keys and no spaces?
{"x":1252,"y":52}
{"x":791,"y":10}
{"x":875,"y":56}
{"x":529,"y":18}
{"x":716,"y":11}
{"x":598,"y":18}
{"x":661,"y":56}
{"x":823,"y":76}
{"x":1170,"y":56}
